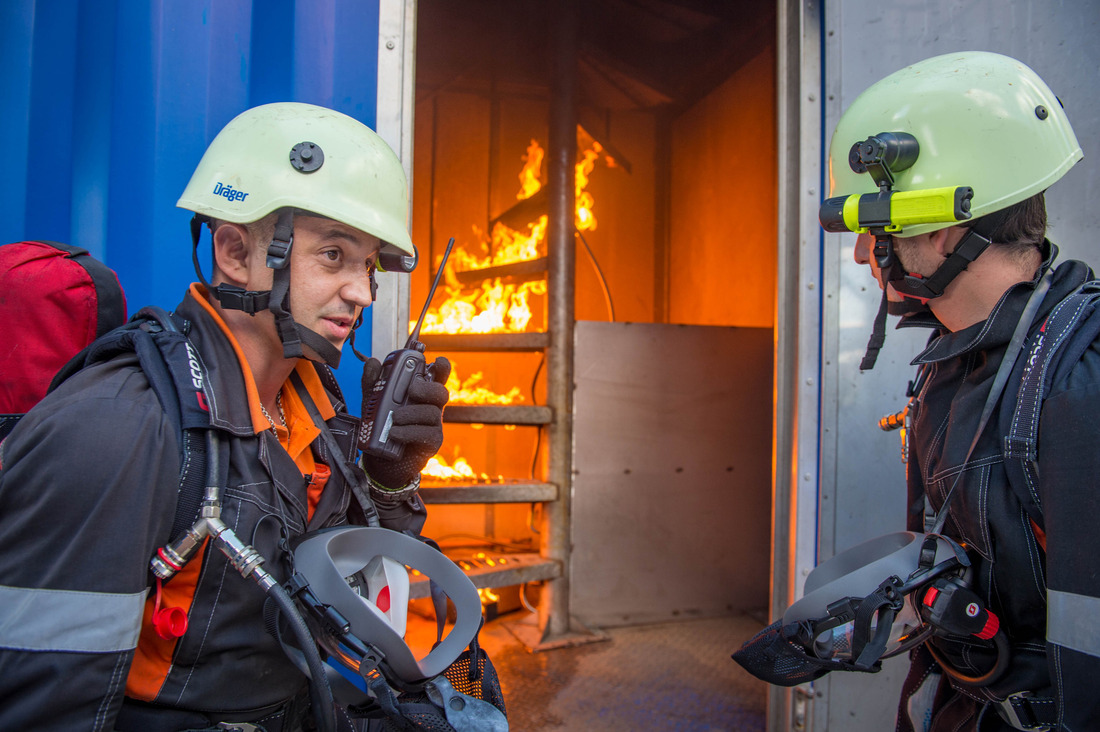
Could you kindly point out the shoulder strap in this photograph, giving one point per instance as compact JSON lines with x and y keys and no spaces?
{"x":1062,"y":340}
{"x":355,"y":482}
{"x":1045,"y":353}
{"x":177,"y":375}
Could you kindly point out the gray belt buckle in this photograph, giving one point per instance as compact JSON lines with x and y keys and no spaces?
{"x":239,"y":727}
{"x":1010,"y":714}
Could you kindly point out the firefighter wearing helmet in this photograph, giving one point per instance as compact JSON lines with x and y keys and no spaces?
{"x":303,"y":204}
{"x":941,"y":170}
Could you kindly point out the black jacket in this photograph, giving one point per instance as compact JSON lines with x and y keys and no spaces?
{"x":87,"y":493}
{"x":993,"y":509}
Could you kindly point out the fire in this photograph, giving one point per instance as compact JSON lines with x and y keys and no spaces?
{"x":529,"y":177}
{"x":470,"y":392}
{"x":438,"y":471}
{"x":494,"y":306}
{"x":585,"y":219}
{"x":507,"y":245}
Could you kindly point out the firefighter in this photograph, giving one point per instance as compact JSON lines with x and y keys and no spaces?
{"x":989,"y":131}
{"x":302,"y":203}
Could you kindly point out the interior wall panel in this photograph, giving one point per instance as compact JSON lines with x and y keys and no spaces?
{"x":723,"y":203}
{"x":671,"y":497}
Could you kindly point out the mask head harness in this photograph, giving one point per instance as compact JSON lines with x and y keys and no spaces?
{"x":352,"y":586}
{"x":305,"y":158}
{"x":887,"y":212}
{"x":871,"y":602}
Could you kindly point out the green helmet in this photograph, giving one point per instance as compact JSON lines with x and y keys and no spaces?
{"x":981,"y":120}
{"x":300,"y":156}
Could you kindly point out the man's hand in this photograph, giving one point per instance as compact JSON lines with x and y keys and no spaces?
{"x":418,"y":425}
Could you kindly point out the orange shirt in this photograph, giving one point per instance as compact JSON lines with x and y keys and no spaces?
{"x":153,"y":657}
{"x":300,"y":432}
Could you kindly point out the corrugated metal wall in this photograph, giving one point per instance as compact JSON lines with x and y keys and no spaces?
{"x":109,"y":104}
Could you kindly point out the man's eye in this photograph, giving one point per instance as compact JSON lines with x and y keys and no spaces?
{"x":332,"y":255}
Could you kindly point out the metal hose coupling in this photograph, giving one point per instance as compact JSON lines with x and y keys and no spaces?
{"x":244,"y":557}
{"x":172,"y":557}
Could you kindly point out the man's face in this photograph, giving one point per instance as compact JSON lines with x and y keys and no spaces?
{"x":330,"y":276}
{"x":913,"y":252}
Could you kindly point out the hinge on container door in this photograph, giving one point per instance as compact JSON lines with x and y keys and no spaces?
{"x":803,"y":701}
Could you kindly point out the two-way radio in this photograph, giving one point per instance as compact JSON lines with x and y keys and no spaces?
{"x":391,"y":390}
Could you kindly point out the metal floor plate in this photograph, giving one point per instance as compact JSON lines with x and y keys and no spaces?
{"x":667,"y":676}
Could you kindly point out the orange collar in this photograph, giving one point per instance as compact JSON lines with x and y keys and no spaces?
{"x":296,"y":414}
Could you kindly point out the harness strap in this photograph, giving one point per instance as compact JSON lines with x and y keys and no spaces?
{"x":884,"y":601}
{"x":355,"y":482}
{"x":934,"y":521}
{"x":1025,"y":711}
{"x":177,"y":375}
{"x":1022,"y":439}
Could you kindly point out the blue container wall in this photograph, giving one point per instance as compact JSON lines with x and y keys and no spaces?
{"x":109,"y":104}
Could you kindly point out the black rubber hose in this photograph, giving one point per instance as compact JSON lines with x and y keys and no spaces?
{"x":320,"y":693}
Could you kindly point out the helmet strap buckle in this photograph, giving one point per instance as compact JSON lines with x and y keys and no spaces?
{"x":278,"y":251}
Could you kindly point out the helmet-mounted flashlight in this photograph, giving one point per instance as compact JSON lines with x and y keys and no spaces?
{"x":882,"y":156}
{"x":892,"y":211}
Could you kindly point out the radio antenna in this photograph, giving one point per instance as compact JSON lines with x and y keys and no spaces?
{"x":415,"y":335}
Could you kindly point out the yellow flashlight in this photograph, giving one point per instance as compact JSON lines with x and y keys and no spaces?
{"x":892,"y":211}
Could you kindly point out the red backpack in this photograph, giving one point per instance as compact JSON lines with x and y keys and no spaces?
{"x":55,"y":299}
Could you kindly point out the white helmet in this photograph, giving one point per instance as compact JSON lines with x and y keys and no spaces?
{"x":981,"y":120}
{"x":293,"y":155}
{"x":291,"y":158}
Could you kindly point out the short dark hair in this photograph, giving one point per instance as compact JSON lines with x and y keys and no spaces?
{"x":1024,"y":226}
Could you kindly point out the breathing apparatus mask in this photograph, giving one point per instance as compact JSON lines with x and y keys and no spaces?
{"x":352,"y":587}
{"x":927,"y":148}
{"x":871,"y":602}
{"x":293,"y":159}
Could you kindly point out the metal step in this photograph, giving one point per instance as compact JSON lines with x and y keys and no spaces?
{"x":485,"y":341}
{"x":528,"y":269}
{"x":512,"y":492}
{"x":503,"y":414}
{"x":494,"y":570}
{"x":524,"y":212}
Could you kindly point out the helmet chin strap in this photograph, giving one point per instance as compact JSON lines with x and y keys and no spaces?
{"x":292,"y":334}
{"x":918,"y":290}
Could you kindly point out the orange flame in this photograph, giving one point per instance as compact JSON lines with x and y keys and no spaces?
{"x":503,"y":308}
{"x":585,"y":219}
{"x":469,"y":392}
{"x":438,"y":471}
{"x":529,"y":176}
{"x":494,"y":307}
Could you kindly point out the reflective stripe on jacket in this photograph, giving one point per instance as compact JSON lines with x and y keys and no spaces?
{"x":88,"y":492}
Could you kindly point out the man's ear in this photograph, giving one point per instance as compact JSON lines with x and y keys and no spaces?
{"x":944,"y":241}
{"x":232,"y":245}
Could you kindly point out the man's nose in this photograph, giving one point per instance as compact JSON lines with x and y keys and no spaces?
{"x":357,"y":291}
{"x":863,"y":248}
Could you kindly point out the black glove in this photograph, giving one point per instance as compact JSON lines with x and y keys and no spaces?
{"x":418,"y":425}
